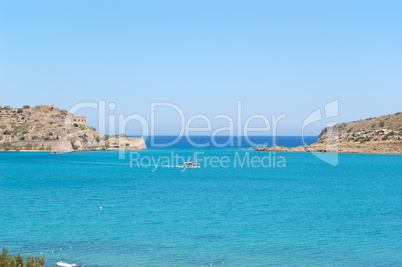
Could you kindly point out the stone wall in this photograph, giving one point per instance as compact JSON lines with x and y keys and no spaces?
{"x":60,"y":145}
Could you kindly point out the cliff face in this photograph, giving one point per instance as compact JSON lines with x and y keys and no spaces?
{"x":49,"y":128}
{"x":380,"y":135}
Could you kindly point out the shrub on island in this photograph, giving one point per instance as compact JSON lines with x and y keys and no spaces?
{"x":6,"y":146}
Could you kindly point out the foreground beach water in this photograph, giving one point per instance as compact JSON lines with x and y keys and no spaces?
{"x":307,"y":213}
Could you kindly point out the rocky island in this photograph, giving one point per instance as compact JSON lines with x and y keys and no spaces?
{"x":380,"y":135}
{"x":49,"y":128}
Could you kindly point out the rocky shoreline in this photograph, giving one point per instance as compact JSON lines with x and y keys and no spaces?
{"x":380,"y":147}
{"x":380,"y":135}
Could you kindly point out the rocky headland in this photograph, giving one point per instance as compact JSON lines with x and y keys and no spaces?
{"x":380,"y":135}
{"x":49,"y":128}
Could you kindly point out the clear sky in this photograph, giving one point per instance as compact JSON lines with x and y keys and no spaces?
{"x":277,"y":57}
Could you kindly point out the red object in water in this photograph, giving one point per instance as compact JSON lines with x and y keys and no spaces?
{"x":245,"y":259}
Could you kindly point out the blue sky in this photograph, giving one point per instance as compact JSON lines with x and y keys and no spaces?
{"x":277,"y":57}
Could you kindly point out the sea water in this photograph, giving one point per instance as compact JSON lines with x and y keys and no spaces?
{"x":307,"y":212}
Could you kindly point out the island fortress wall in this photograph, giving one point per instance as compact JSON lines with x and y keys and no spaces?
{"x":80,"y":120}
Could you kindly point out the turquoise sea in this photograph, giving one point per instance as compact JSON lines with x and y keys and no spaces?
{"x":305,"y":213}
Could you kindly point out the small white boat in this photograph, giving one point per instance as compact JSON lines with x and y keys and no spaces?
{"x":57,"y":153}
{"x":65,"y":264}
{"x":191,"y":165}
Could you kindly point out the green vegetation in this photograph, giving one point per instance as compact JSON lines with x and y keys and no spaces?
{"x":381,"y":124}
{"x":21,"y":128}
{"x":28,"y":146}
{"x":106,"y":136}
{"x":8,"y":132}
{"x":22,"y":138}
{"x":49,"y":148}
{"x":7,"y":108}
{"x":362,"y":139}
{"x":75,"y":124}
{"x":97,"y":138}
{"x":8,"y":260}
{"x":35,"y":137}
{"x":20,"y":111}
{"x":26,"y":107}
{"x":3,"y":127}
{"x":388,"y":135}
{"x":6,"y":146}
{"x":83,"y":128}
